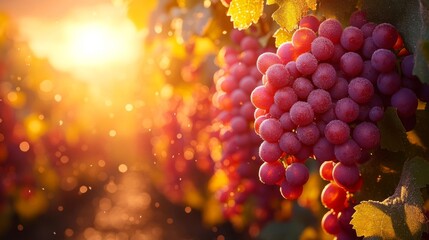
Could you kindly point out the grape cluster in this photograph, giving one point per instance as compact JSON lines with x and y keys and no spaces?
{"x":322,"y":96}
{"x":239,"y":161}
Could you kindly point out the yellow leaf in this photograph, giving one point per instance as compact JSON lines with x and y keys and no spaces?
{"x":282,"y":36}
{"x":245,"y":12}
{"x":291,"y":11}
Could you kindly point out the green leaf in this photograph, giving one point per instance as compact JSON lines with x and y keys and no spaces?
{"x":422,"y":127}
{"x":412,"y":21}
{"x":245,"y":12}
{"x":393,"y":135}
{"x":400,"y":216}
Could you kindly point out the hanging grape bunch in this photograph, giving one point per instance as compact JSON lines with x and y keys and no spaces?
{"x":322,"y":96}
{"x":239,"y":160}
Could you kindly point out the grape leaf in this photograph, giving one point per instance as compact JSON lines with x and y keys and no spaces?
{"x":291,"y":11}
{"x":412,"y":21}
{"x":400,"y":216}
{"x":393,"y":135}
{"x":281,"y":36}
{"x":245,"y":12}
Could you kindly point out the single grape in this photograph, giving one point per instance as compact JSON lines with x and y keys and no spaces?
{"x":262,"y":98}
{"x":376,"y":113}
{"x":361,"y":90}
{"x":285,"y":98}
{"x":286,"y":122}
{"x":302,"y":38}
{"x":369,"y":72}
{"x":306,"y":63}
{"x":346,"y":110}
{"x":248,"y":83}
{"x":405,"y":101}
{"x":351,"y":63}
{"x":271,"y":173}
{"x":301,"y":113}
{"x":289,"y":191}
{"x":265,"y":60}
{"x":368,"y":48}
{"x":275,"y":111}
{"x":325,"y":170}
{"x":250,"y":43}
{"x":389,"y":83}
{"x":278,"y":76}
{"x":293,"y":71}
{"x":319,"y":100}
{"x":324,"y":76}
{"x":385,"y":35}
{"x":309,"y":21}
{"x":383,"y":60}
{"x":337,"y":132}
{"x":239,"y":97}
{"x":367,"y":29}
{"x":270,"y":130}
{"x":286,"y":52}
{"x":340,"y":89}
{"x":289,"y":143}
{"x":302,"y":87}
{"x":407,"y":65}
{"x":323,"y":150}
{"x":346,"y":176}
{"x":367,"y":135}
{"x":333,"y":197}
{"x":269,"y":152}
{"x":308,"y":134}
{"x":322,"y":48}
{"x":297,"y":174}
{"x":358,"y":19}
{"x":330,"y":223}
{"x":331,"y":29}
{"x":348,"y":153}
{"x":239,"y":124}
{"x":352,"y":38}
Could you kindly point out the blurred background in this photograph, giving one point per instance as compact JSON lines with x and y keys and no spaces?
{"x":105,"y":124}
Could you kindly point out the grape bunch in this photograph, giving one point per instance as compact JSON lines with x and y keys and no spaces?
{"x":238,"y":160}
{"x":323,"y":94}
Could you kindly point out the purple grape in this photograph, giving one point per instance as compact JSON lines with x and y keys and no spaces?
{"x":302,"y":38}
{"x":405,"y":101}
{"x":293,"y":71}
{"x":331,"y":29}
{"x":407,"y":66}
{"x":308,"y":134}
{"x":278,"y":76}
{"x":351,"y":38}
{"x":361,"y":90}
{"x":239,"y":97}
{"x":330,"y":223}
{"x":306,"y":63}
{"x":366,"y":135}
{"x":352,"y":64}
{"x":323,"y":150}
{"x":346,"y":176}
{"x":369,"y":72}
{"x":322,"y":48}
{"x":346,"y":110}
{"x":301,"y":113}
{"x":265,"y":60}
{"x":262,"y":98}
{"x":383,"y":60}
{"x":286,"y":52}
{"x":310,"y":21}
{"x":269,"y":152}
{"x":324,"y":76}
{"x":297,"y":174}
{"x":285,"y":98}
{"x":250,"y":43}
{"x":289,"y":143}
{"x":271,"y":173}
{"x":367,"y":29}
{"x":239,"y":70}
{"x":376,"y":113}
{"x":338,"y":53}
{"x":239,"y":124}
{"x":368,"y":48}
{"x":247,"y":84}
{"x":302,"y":87}
{"x":270,"y":130}
{"x":340,"y":89}
{"x":385,"y":35}
{"x":358,"y":19}
{"x":286,"y":122}
{"x":348,"y":153}
{"x":289,"y":191}
{"x":247,"y":111}
{"x":319,"y":100}
{"x":275,"y":111}
{"x":389,"y":83}
{"x":337,"y":132}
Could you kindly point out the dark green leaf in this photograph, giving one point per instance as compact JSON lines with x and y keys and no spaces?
{"x":400,"y":216}
{"x":393,"y":135}
{"x":339,"y":9}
